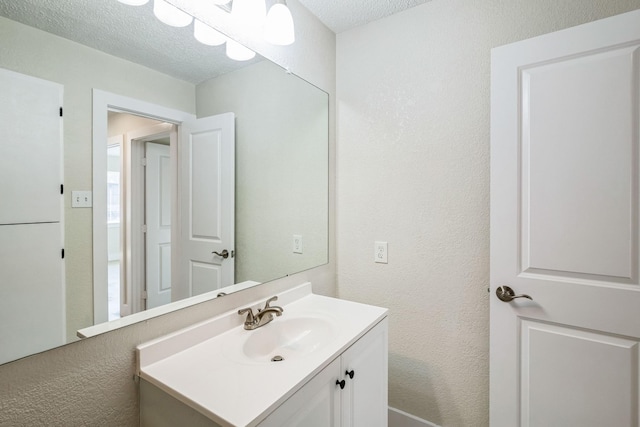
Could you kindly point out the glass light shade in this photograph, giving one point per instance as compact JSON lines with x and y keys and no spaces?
{"x":221,"y":2}
{"x":249,"y":13}
{"x":207,"y":35}
{"x":170,"y":15}
{"x":238,"y":52}
{"x":278,"y":28}
{"x":134,"y":2}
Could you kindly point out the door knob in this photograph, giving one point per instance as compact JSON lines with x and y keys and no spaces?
{"x":341,"y":384}
{"x":506,"y":294}
{"x":224,"y":254}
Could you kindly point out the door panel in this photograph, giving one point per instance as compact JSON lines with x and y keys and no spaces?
{"x":207,"y":208}
{"x":32,"y":292}
{"x":205,"y":277}
{"x":579,"y":161}
{"x":31,"y":151}
{"x":565,"y":122}
{"x":158,"y":221}
{"x":560,"y":386}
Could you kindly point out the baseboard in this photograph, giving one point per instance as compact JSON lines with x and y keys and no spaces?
{"x":398,"y":418}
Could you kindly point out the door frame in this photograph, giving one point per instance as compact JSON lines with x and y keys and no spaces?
{"x":103,"y":102}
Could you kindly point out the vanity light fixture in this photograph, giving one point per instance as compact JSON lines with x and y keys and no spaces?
{"x":207,"y":35}
{"x":238,"y":52}
{"x":249,"y":14}
{"x":278,"y":27}
{"x":170,"y":15}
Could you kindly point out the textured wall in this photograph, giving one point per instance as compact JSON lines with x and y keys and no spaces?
{"x":413,"y":170}
{"x":89,"y":383}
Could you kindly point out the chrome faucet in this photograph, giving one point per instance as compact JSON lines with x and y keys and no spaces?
{"x":262,"y":316}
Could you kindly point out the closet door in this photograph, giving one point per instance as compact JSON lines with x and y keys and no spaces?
{"x":31,"y":149}
{"x":32,"y":291}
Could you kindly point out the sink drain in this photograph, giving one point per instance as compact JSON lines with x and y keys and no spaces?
{"x":277,"y":359}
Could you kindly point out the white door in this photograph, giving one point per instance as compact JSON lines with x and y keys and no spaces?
{"x":32,"y":289}
{"x":158,"y":222}
{"x":207,"y":152}
{"x":565,"y":123}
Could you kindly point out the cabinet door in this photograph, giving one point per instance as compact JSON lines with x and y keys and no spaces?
{"x":32,"y":293}
{"x":316,"y":404}
{"x":31,"y":149}
{"x":364,"y":398}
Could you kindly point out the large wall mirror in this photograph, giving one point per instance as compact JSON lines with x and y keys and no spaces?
{"x":148,"y":113}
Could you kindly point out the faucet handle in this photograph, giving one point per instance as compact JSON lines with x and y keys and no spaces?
{"x":249,"y":311}
{"x":269,"y":301}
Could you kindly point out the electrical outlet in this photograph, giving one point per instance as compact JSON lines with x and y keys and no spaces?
{"x":81,"y":199}
{"x":380,"y":254}
{"x":297,"y":244}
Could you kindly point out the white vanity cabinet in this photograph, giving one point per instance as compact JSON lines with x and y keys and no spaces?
{"x":360,"y":402}
{"x":332,"y":368}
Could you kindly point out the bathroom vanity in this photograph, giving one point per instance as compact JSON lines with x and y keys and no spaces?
{"x":322,"y":362}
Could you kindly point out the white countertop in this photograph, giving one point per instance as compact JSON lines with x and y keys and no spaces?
{"x":198,"y":367}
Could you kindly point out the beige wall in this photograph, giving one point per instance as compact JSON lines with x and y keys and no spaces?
{"x":81,"y":69}
{"x":91,"y":382}
{"x":281,"y":167}
{"x":413,"y":170}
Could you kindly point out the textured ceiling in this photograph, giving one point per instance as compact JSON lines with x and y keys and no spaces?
{"x":342,"y":15}
{"x":129,"y":32}
{"x":133,"y":32}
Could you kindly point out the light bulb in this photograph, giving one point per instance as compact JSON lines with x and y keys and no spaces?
{"x":250,"y":14}
{"x":238,"y":52}
{"x":278,"y":28}
{"x":134,"y":2}
{"x":207,"y":35}
{"x":170,"y":14}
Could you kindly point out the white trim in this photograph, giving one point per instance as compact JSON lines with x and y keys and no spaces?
{"x":102,"y":103}
{"x":398,"y":418}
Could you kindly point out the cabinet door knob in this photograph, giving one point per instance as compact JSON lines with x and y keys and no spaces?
{"x":341,"y":383}
{"x":351,"y":373}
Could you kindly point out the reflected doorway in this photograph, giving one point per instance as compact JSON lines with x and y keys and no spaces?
{"x":138,"y":213}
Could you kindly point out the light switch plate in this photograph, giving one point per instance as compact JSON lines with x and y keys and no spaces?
{"x":81,"y":199}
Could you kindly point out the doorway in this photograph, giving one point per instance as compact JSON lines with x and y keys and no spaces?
{"x":201,"y":186}
{"x":138,"y":212}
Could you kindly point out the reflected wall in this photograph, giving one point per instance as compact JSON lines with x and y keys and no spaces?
{"x":80,"y":69}
{"x":281,"y":167}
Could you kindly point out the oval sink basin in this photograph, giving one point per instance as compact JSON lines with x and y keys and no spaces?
{"x":287,"y":337}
